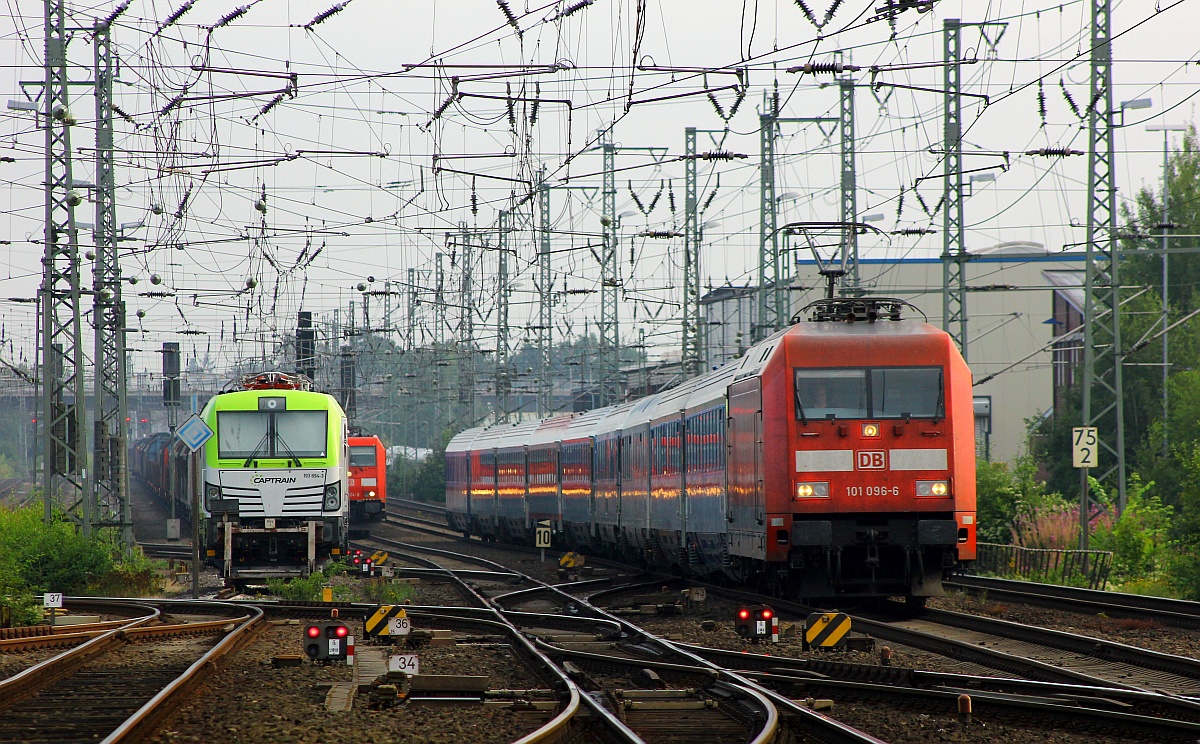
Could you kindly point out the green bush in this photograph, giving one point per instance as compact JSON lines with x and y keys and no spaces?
{"x":308,"y":588}
{"x":380,"y":591}
{"x":1138,"y":538}
{"x":36,"y":557}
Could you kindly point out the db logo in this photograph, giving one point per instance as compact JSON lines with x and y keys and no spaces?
{"x":868,"y":460}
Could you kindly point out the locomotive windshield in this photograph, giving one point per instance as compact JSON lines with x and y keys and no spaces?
{"x":263,"y":434}
{"x":876,"y":392}
{"x":362,"y":457}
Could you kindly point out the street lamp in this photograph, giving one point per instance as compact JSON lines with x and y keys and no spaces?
{"x":1165,"y":225}
{"x":1137,"y":103}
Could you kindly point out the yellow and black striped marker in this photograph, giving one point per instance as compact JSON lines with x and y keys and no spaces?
{"x":571,"y":560}
{"x":387,"y":621}
{"x":826,"y":629}
{"x":379,"y":557}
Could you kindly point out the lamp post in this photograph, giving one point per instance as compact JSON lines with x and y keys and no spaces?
{"x":1165,"y":225}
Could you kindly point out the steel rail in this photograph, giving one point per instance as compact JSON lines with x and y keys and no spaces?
{"x":557,"y":726}
{"x":56,"y":639}
{"x":948,"y":647}
{"x":141,"y":723}
{"x":1177,"y":612}
{"x":824,"y":727}
{"x":49,"y":671}
{"x":1097,"y":648}
{"x":849,"y":676}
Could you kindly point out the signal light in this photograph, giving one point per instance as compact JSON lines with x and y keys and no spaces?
{"x":744,"y":614}
{"x":767,"y":614}
{"x":327,"y":640}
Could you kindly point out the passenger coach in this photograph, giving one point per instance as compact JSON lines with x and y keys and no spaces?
{"x":835,"y":458}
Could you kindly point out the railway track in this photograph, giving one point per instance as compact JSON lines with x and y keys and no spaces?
{"x":747,"y":713}
{"x":1175,"y":612}
{"x":117,"y":684}
{"x":1041,"y":681}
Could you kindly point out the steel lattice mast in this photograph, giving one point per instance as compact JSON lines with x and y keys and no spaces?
{"x":610,"y":344}
{"x":849,"y":185}
{"x":769,"y":307}
{"x":64,"y":438}
{"x":1103,"y":406}
{"x":954,"y":252}
{"x":545,"y":282}
{"x":692,"y":358}
{"x":110,"y":443}
{"x":503,"y":381}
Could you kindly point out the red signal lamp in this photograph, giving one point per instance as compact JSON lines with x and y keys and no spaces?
{"x":313,"y":631}
{"x":744,"y":614}
{"x":342,"y":631}
{"x":767,"y":614}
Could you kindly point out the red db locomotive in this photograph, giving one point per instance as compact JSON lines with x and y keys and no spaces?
{"x":835,"y":458}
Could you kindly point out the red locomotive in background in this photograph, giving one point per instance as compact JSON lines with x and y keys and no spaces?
{"x":834,"y":458}
{"x":368,"y":479}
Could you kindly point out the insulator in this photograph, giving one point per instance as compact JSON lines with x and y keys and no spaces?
{"x":171,"y":104}
{"x":510,"y":107}
{"x":270,"y":105}
{"x":671,"y":196}
{"x":737,"y":102}
{"x":807,"y":13}
{"x":938,"y":207}
{"x":711,"y":194}
{"x":177,"y":14}
{"x":900,"y":205}
{"x":117,"y":110}
{"x":717,"y":106}
{"x":913,"y":231}
{"x":508,"y":15}
{"x":921,"y":201}
{"x":573,"y":9}
{"x":533,"y":107}
{"x":833,"y":8}
{"x":1070,"y":99}
{"x":117,"y":11}
{"x":1095,"y":99}
{"x":229,"y":18}
{"x":183,"y":202}
{"x":1054,"y":152}
{"x":657,"y":195}
{"x":818,"y":68}
{"x":474,"y":199}
{"x":323,"y":15}
{"x":636,"y":200}
{"x":445,"y":105}
{"x":1042,"y":102}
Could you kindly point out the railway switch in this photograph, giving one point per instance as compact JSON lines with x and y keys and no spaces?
{"x":758,"y":623}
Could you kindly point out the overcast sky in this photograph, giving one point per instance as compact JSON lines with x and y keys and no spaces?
{"x":349,"y":157}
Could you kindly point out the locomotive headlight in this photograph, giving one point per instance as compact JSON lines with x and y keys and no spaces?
{"x":870,"y":431}
{"x":370,"y":494}
{"x":812,"y":490}
{"x":332,"y":497}
{"x":211,"y":493}
{"x":933,"y":488}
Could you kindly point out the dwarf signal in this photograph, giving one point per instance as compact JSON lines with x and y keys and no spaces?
{"x":327,"y":640}
{"x":758,"y":623}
